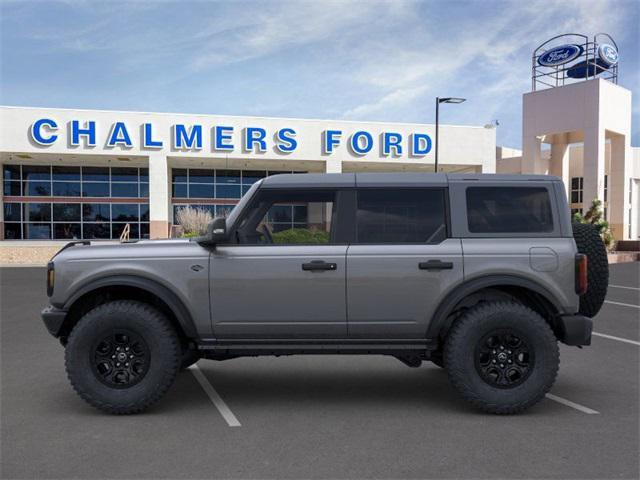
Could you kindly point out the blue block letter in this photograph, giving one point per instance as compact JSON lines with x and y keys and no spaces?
{"x":421,"y":144}
{"x":222,"y":136}
{"x":119,"y":136}
{"x":286,"y":142}
{"x":356,"y":146}
{"x":36,"y":131}
{"x":147,"y":138}
{"x":331,"y":140}
{"x":392,"y":140}
{"x":183,"y":139}
{"x":89,"y":131}
{"x":255,"y":135}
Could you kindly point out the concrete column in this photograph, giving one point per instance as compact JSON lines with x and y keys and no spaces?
{"x":159,"y":196}
{"x":559,"y":161}
{"x":593,"y":165}
{"x":333,"y":165}
{"x":619,"y":188}
{"x":531,"y":154}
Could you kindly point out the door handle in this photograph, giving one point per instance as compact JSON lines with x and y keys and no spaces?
{"x":319,"y":266}
{"x":435,"y":265}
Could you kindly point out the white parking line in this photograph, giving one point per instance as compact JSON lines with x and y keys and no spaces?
{"x":622,"y":304}
{"x":626,"y":288}
{"x":571,"y":404}
{"x":222,"y":407}
{"x":619,"y":339}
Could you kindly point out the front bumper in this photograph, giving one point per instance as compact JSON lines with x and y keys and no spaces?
{"x":53,"y":319}
{"x":575,"y":330}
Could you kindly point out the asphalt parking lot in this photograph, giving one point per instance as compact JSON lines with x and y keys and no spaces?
{"x":319,"y":416}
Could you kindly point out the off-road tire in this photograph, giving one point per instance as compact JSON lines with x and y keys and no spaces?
{"x":147,"y":323}
{"x":460,"y":356}
{"x":590,"y":243}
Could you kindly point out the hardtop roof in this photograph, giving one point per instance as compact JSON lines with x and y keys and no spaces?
{"x":391,"y":179}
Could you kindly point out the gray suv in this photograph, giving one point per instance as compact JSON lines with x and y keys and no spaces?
{"x":479,"y":274}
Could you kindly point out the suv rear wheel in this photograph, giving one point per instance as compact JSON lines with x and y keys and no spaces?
{"x":502,"y":357}
{"x":122,"y":356}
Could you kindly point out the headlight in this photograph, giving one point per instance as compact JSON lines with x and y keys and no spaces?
{"x":51,"y":277}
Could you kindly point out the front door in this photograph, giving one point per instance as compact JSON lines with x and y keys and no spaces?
{"x":401,"y":262}
{"x":285,"y":278}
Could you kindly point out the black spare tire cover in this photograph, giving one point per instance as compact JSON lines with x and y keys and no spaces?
{"x":590,"y":243}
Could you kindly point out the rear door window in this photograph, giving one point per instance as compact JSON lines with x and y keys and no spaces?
{"x":509,"y":210}
{"x":401,"y":216}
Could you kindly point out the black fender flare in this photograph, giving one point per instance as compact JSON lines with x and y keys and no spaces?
{"x":440,"y":318}
{"x":153,"y":287}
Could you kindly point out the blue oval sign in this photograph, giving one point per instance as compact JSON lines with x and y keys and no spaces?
{"x":608,"y":54}
{"x":560,"y":55}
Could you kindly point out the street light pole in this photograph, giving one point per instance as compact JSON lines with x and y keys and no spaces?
{"x":438,"y":102}
{"x":435,"y":168}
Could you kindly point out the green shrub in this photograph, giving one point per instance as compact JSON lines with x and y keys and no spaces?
{"x":595,"y":217}
{"x":301,"y":235}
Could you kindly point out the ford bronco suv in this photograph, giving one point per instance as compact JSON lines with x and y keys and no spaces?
{"x":480,"y":274}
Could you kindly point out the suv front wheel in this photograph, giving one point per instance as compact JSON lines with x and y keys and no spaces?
{"x":122,"y":356}
{"x":502,"y":357}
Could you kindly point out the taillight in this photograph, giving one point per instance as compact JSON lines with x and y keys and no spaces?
{"x":51,"y":277}
{"x":582,"y":282}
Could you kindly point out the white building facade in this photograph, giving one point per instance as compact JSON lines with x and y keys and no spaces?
{"x":87,"y":174}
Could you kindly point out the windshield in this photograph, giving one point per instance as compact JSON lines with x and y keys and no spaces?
{"x":233,"y":215}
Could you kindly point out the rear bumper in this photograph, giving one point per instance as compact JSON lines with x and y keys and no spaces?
{"x":53,"y":319}
{"x":575,"y":330}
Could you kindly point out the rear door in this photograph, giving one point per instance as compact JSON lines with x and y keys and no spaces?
{"x":401,"y":262}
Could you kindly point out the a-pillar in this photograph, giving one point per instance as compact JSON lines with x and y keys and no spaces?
{"x":158,"y":196}
{"x":559,"y":161}
{"x":618,"y":188}
{"x":593,"y":165}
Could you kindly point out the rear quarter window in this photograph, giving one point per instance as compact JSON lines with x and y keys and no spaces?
{"x":509,"y":210}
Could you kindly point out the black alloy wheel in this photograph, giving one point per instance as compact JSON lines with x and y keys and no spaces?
{"x":121,"y":359}
{"x":504,"y":359}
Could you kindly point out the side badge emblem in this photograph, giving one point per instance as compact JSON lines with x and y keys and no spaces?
{"x":196,"y":268}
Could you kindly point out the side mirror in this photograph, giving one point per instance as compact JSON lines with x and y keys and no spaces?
{"x":217,"y":232}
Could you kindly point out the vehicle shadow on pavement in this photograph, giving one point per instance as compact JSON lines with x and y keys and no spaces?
{"x":423,"y":387}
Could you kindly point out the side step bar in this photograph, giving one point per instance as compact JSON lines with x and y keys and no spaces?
{"x":314,"y":347}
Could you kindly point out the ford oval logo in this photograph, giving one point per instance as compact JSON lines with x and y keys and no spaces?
{"x":560,"y":55}
{"x":608,"y":54}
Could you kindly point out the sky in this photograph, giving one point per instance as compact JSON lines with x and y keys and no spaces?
{"x":353,"y":60}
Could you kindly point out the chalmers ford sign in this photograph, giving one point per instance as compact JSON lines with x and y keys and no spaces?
{"x":46,"y":132}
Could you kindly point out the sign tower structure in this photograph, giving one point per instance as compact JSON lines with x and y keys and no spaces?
{"x":576,"y":99}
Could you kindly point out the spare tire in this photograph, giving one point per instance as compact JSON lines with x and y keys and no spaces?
{"x":590,"y":243}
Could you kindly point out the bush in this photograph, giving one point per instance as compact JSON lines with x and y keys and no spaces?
{"x":301,"y":235}
{"x":595,"y":217}
{"x":194,"y":221}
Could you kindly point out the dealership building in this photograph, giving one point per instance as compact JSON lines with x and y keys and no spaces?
{"x":87,"y":174}
{"x":91,"y":174}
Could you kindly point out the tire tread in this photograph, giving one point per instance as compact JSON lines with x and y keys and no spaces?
{"x":165,"y":329}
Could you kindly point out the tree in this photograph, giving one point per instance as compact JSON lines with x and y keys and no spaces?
{"x":595,"y":217}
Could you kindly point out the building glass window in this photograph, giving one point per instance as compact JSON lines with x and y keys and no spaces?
{"x":198,"y":185}
{"x":66,"y":209}
{"x":577,"y":184}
